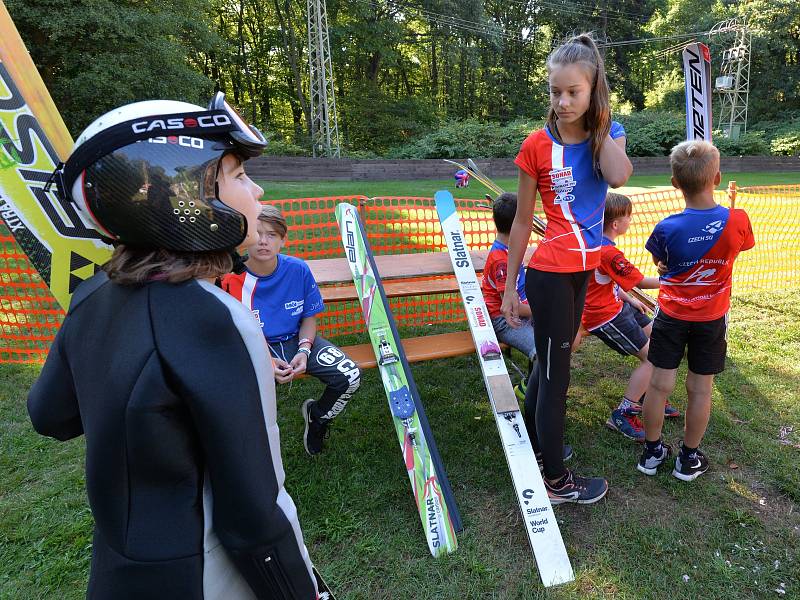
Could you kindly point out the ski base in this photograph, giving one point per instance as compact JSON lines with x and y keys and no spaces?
{"x":541,"y":525}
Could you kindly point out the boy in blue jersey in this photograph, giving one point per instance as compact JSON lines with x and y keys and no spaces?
{"x":697,"y":248}
{"x":281,"y":292}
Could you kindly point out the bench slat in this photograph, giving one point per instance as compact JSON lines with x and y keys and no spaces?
{"x":393,"y":289}
{"x":418,"y":349}
{"x":328,"y":271}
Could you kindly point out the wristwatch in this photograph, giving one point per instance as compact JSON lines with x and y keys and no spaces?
{"x":305,"y":351}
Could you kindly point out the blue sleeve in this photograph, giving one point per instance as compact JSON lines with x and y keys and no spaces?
{"x":656,"y":244}
{"x":313,"y":299}
{"x":521,"y":283}
{"x":617,"y":130}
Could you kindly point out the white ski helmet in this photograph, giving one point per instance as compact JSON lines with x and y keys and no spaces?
{"x":145,"y":174}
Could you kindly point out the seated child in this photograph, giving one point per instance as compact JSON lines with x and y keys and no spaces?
{"x":619,"y":319}
{"x":698,"y":247}
{"x":493,"y":282}
{"x":493,"y":285}
{"x":281,"y":292}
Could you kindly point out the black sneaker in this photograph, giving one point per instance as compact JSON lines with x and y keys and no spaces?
{"x":688,"y":468}
{"x":568,"y":454}
{"x":572,"y":488}
{"x":316,"y":430}
{"x":649,"y":463}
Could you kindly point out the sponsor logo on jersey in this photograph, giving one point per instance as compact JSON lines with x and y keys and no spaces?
{"x":701,"y":276}
{"x":295,"y":306}
{"x":621,"y":265}
{"x":257,"y":315}
{"x":562,"y":183}
{"x":713,"y":227}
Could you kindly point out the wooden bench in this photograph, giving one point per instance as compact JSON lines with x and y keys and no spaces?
{"x":402,"y":275}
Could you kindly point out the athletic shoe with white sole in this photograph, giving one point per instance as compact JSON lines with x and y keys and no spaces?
{"x":573,"y":488}
{"x":649,"y":463}
{"x":689,"y":468}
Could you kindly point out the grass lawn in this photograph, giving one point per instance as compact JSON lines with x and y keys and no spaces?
{"x":279,"y":190}
{"x":733,"y":533}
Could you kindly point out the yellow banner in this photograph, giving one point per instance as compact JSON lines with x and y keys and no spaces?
{"x":33,"y":139}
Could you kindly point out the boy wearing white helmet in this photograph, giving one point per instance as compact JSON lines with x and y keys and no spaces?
{"x":163,"y":373}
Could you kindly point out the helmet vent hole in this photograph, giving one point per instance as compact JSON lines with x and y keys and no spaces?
{"x":181,"y":203}
{"x":197,"y":211}
{"x":192,"y":219}
{"x":177,"y":211}
{"x":191,"y":203}
{"x":182,"y":219}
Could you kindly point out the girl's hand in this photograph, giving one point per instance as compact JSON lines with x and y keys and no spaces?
{"x":510,"y":308}
{"x":283,"y":371}
{"x":662,"y":269}
{"x":299,"y":363}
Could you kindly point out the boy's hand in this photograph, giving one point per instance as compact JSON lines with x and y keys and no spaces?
{"x":662,"y":269}
{"x":283,"y":371}
{"x":637,"y":305}
{"x":298,"y":363}
{"x":510,"y":308}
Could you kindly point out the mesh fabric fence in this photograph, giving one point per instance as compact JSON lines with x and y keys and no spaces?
{"x":30,"y":316}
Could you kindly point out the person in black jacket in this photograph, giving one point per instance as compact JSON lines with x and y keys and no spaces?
{"x":166,"y":376}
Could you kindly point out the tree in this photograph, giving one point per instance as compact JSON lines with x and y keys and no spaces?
{"x":94,"y":55}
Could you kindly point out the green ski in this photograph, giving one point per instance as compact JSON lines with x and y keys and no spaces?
{"x":432,"y":493}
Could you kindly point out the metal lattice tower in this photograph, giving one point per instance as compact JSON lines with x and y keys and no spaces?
{"x":324,"y":127}
{"x":733,"y":83}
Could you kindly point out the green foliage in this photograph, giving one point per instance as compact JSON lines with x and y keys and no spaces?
{"x":752,"y":143}
{"x":786,"y":140}
{"x":667,"y":93}
{"x":95,"y":55}
{"x":280,"y":147}
{"x":653,"y":133}
{"x":375,"y":121}
{"x":457,"y":139}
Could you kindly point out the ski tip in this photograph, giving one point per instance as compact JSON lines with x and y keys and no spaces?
{"x":445,"y":205}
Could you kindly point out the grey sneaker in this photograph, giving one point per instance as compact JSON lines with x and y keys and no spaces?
{"x":649,"y":463}
{"x":688,"y":468}
{"x":316,"y":431}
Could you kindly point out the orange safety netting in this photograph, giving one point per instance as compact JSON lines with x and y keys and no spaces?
{"x":30,"y":316}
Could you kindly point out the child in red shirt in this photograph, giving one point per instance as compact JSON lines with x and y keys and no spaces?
{"x":620,"y":320}
{"x":698,"y":247}
{"x":493,"y":282}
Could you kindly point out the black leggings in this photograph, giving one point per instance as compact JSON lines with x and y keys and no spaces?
{"x":556,"y":301}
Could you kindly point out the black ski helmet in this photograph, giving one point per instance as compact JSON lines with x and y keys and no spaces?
{"x":145,"y":174}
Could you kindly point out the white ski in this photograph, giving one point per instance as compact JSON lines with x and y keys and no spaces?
{"x":537,"y":513}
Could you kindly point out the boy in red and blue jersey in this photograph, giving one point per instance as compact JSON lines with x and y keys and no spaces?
{"x":493,"y":282}
{"x":698,"y":248}
{"x":620,"y":320}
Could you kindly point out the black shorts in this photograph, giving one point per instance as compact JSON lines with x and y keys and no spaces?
{"x":624,"y":333}
{"x":707,"y":343}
